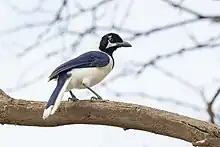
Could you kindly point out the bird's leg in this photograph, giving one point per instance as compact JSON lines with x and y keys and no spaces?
{"x":98,"y":97}
{"x":73,"y":97}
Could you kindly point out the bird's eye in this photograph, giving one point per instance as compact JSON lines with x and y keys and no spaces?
{"x":110,"y":39}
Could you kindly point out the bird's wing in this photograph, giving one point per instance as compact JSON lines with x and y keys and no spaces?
{"x":89,"y":59}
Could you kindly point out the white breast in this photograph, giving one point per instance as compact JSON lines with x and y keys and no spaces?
{"x":88,"y":76}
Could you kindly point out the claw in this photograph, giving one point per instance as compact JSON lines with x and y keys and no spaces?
{"x":96,"y":98}
{"x":99,"y":98}
{"x":93,"y":98}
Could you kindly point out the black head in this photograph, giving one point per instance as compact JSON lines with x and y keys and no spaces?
{"x":111,"y":41}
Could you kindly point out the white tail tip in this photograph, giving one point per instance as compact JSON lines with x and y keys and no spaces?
{"x":47,"y":112}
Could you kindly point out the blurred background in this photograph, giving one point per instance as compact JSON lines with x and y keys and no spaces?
{"x":174,"y":63}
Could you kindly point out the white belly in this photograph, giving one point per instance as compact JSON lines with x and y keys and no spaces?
{"x":88,"y":76}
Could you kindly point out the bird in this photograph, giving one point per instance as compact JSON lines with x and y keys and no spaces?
{"x":84,"y":71}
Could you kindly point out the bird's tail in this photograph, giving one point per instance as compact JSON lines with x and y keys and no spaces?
{"x":57,"y":95}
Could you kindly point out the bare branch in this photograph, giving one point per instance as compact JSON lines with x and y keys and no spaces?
{"x":24,"y":26}
{"x":159,"y":99}
{"x":38,"y":8}
{"x":179,"y":6}
{"x":38,"y":42}
{"x":56,"y":18}
{"x":192,"y":37}
{"x":197,"y":47}
{"x":177,"y":78}
{"x":166,"y":27}
{"x":210,"y":106}
{"x":131,"y":116}
{"x":126,"y":15}
{"x":215,"y":96}
{"x":209,"y":142}
{"x":26,"y":84}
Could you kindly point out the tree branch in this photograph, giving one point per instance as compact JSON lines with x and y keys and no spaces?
{"x":210,"y":106}
{"x":206,"y":45}
{"x":131,"y":116}
{"x":213,"y":142}
{"x":176,"y":5}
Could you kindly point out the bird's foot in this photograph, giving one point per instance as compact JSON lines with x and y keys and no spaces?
{"x":73,"y":99}
{"x":93,"y":98}
{"x":96,"y":98}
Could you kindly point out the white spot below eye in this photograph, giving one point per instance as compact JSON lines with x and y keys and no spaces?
{"x":111,"y":44}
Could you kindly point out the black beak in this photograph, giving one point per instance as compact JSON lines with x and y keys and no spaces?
{"x":124,"y":44}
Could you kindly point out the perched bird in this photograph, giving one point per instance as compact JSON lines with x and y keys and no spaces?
{"x":84,"y":71}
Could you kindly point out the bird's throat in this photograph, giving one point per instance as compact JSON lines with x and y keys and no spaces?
{"x":110,"y":51}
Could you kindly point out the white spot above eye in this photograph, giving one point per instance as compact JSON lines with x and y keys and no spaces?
{"x":111,"y":44}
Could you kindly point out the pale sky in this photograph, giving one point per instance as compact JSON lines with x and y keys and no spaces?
{"x":199,"y":68}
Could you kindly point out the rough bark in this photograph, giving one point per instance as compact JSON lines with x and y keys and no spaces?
{"x":124,"y":115}
{"x":213,"y":142}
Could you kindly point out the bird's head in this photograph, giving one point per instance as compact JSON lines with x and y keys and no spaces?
{"x":111,"y":41}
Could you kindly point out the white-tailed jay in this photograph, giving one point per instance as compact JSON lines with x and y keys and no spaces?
{"x":84,"y":71}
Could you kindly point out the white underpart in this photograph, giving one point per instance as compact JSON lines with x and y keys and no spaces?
{"x":88,"y":76}
{"x":80,"y":76}
{"x":51,"y":110}
{"x":110,"y":44}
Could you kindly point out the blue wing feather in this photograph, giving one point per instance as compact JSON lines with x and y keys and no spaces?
{"x":89,"y":59}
